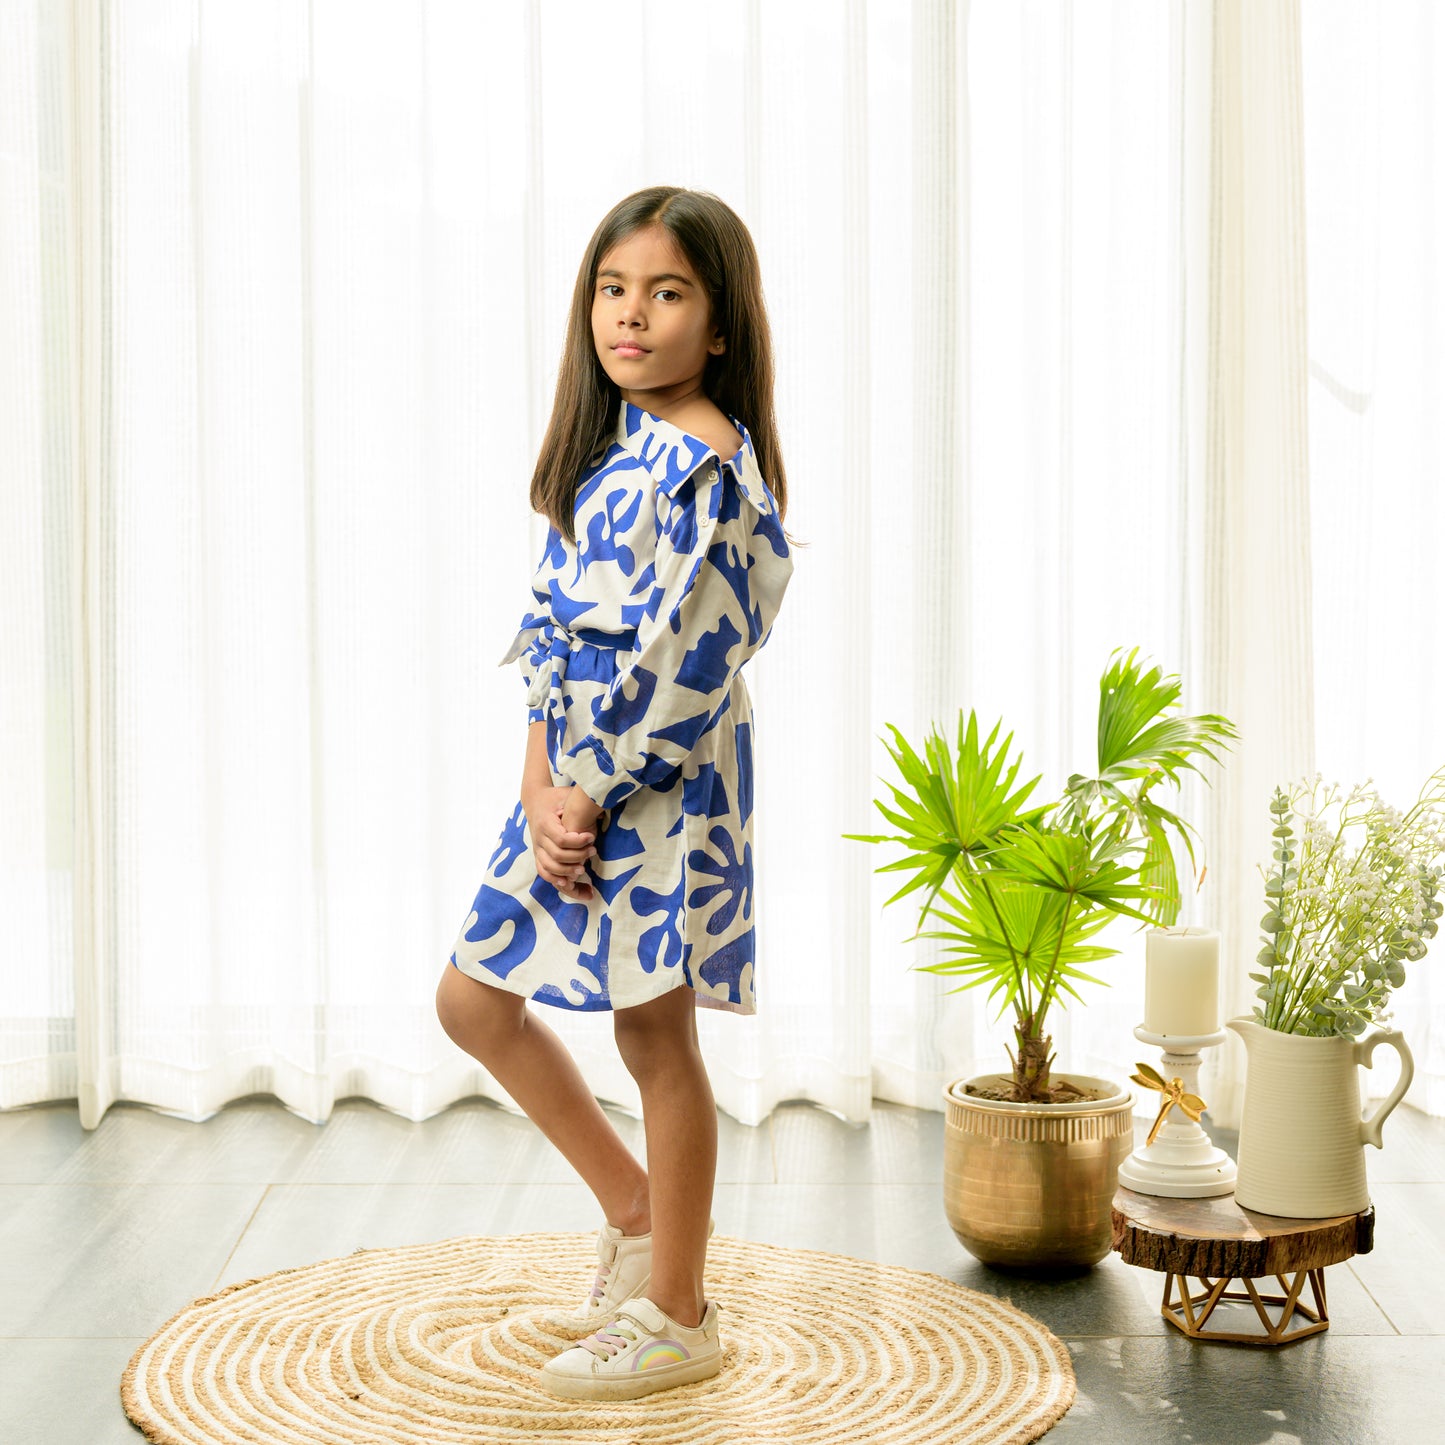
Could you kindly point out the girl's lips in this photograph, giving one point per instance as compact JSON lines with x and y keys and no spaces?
{"x":629,"y":351}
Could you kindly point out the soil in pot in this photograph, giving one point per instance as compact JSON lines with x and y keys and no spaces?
{"x":1061,"y":1091}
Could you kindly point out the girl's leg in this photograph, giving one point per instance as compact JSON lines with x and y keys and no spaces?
{"x":495,"y":1027}
{"x":658,"y":1043}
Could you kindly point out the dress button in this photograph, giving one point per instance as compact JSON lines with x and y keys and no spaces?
{"x":712,"y":475}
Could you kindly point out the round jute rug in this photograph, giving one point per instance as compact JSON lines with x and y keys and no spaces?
{"x":441,"y":1342}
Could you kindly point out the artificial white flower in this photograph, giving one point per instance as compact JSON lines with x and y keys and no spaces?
{"x":1347,"y":904}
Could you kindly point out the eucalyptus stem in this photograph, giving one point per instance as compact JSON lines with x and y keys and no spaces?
{"x":1324,"y":873}
{"x":1292,"y":1003}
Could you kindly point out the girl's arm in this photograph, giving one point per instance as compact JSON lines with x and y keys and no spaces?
{"x":536,"y":771}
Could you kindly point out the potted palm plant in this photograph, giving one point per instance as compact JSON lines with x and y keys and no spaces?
{"x":1032,"y":1156}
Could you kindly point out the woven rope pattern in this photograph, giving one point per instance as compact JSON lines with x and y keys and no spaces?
{"x":440,"y":1343}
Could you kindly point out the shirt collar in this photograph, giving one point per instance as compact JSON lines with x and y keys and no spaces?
{"x":671,"y":455}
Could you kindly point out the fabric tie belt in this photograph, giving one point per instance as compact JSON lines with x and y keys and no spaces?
{"x":553,"y":644}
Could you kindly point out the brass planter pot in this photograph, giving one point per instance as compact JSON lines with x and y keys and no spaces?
{"x":1031,"y":1185}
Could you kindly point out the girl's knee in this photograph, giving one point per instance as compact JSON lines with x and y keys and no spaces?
{"x":469,"y":1010}
{"x":657,"y":1035}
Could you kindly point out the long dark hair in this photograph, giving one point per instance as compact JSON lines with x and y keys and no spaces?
{"x":739,"y":381}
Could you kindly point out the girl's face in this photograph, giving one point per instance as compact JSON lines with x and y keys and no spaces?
{"x":651,"y":322}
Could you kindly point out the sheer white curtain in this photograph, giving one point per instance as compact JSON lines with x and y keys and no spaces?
{"x":1375,"y":193}
{"x":283,"y":297}
{"x":1248,"y":483}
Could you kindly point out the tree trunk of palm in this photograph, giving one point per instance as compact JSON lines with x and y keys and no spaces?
{"x":1031,"y":1064}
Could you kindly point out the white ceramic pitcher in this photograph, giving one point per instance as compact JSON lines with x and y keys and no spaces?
{"x":1301,"y":1138}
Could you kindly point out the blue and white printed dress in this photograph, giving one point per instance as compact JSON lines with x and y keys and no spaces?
{"x":632,"y":652}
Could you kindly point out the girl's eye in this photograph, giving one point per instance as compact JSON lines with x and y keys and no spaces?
{"x":609,"y":286}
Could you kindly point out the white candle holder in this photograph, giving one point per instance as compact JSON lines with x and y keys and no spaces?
{"x":1182,"y":1162}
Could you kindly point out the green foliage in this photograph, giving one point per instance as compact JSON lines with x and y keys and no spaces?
{"x":1023,"y":891}
{"x":1341,"y":922}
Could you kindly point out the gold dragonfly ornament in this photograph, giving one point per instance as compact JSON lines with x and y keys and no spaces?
{"x":1175,"y":1097}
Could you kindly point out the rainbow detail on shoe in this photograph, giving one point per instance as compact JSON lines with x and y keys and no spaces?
{"x":660,"y":1352}
{"x":635,"y":1355}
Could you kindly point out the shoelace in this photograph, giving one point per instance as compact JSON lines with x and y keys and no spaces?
{"x":600,"y":1283}
{"x":612,"y":1340}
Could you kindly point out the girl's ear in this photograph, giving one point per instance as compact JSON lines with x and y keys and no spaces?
{"x":717,"y":345}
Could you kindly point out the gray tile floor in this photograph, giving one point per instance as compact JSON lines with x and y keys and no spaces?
{"x":103,"y":1236}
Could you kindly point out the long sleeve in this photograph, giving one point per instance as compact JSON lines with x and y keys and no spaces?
{"x":531,"y":647}
{"x":722,"y":566}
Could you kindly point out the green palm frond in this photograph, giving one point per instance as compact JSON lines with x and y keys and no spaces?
{"x":957,"y":805}
{"x":1136,"y":744}
{"x":1158,"y":869}
{"x":1073,"y":864}
{"x":1134,"y":740}
{"x":1018,"y":892}
{"x":1020,"y":941}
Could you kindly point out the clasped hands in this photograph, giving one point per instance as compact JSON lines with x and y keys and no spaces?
{"x":562,"y":823}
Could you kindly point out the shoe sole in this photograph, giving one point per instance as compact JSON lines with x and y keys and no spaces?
{"x":632,"y":1386}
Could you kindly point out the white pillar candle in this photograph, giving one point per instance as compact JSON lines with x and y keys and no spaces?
{"x":1181,"y":981}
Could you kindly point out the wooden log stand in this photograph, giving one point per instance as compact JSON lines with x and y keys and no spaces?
{"x":1217,"y":1243}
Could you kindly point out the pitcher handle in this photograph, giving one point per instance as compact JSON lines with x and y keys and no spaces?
{"x":1370,"y":1128}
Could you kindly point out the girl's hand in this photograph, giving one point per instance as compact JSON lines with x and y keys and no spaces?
{"x":560,"y":849}
{"x":579,"y":812}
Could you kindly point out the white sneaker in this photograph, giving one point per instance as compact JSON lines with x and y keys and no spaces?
{"x":639,"y":1350}
{"x":624,"y":1271}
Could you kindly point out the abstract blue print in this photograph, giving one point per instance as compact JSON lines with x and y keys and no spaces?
{"x":632,"y":653}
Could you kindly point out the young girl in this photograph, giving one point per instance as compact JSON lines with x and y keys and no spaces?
{"x":624,"y":877}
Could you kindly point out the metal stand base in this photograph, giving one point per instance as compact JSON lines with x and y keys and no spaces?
{"x":1192,"y":1312}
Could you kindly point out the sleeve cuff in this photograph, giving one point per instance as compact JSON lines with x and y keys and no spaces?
{"x":591,"y":768}
{"x":538,"y":683}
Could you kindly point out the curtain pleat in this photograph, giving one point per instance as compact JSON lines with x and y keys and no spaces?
{"x":284,"y":288}
{"x":1374,"y":178}
{"x":1257,"y":663}
{"x":92,"y":675}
